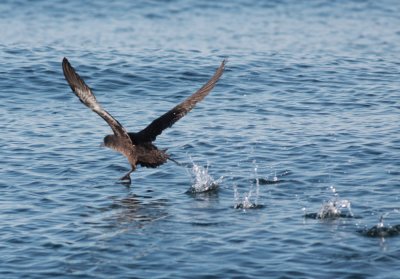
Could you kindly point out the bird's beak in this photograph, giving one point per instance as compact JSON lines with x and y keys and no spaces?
{"x":102,"y":145}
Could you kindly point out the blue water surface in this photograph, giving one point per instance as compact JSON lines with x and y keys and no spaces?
{"x":306,"y":112}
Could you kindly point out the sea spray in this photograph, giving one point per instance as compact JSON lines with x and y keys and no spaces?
{"x":245,"y":201}
{"x":333,"y":208}
{"x":202,"y":180}
{"x":381,"y":229}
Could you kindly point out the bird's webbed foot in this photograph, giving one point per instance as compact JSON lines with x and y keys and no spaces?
{"x":126,"y":179}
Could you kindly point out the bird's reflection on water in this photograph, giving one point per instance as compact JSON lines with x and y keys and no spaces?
{"x":138,"y":211}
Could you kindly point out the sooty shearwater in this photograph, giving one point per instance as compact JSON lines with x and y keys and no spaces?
{"x":137,"y":147}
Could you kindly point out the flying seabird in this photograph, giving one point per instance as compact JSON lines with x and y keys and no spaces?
{"x":137,"y":147}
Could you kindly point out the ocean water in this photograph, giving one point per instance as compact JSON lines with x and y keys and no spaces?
{"x":286,"y":164}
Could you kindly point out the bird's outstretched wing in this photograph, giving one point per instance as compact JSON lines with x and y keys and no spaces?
{"x":86,"y":96}
{"x":156,"y":127}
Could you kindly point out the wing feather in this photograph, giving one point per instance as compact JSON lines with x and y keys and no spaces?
{"x":85,"y":95}
{"x":168,"y":119}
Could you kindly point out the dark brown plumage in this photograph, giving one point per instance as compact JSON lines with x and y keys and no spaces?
{"x":137,"y":147}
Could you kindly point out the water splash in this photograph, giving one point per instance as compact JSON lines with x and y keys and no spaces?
{"x":257,"y":183}
{"x":245,"y":201}
{"x":380,"y":224}
{"x":202,"y":180}
{"x":333,"y":208}
{"x":381,"y":230}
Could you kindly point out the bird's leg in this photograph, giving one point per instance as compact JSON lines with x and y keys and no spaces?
{"x":127,"y":177}
{"x":175,"y":161}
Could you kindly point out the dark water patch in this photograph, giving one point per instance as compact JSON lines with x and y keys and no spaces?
{"x":381,"y":231}
{"x":264,"y":181}
{"x":331,"y":216}
{"x":211,"y":224}
{"x":210,"y":191}
{"x":248,"y":206}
